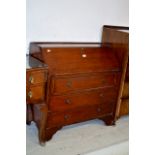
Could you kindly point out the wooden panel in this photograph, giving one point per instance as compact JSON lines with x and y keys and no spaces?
{"x":124,"y":108}
{"x":79,"y":114}
{"x":65,"y":84}
{"x":125,"y":93}
{"x":76,"y":60}
{"x":117,"y":38}
{"x":84,"y":98}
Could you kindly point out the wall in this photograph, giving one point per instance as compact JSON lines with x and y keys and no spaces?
{"x":73,"y":20}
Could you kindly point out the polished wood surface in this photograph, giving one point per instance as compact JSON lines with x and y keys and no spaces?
{"x":83,"y":82}
{"x":117,"y":37}
{"x":79,"y":60}
{"x":80,"y":114}
{"x":65,"y":84}
{"x":36,"y":82}
{"x":71,"y":82}
{"x":71,"y":101}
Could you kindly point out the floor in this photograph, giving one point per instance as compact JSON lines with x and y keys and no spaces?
{"x":87,"y":138}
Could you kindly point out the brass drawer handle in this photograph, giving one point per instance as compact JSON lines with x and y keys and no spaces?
{"x":68,"y":101}
{"x":66,"y":117}
{"x":31,"y":79}
{"x":69,"y":84}
{"x":30,"y":94}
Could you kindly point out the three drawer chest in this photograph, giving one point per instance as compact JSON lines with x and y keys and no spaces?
{"x":82,"y":84}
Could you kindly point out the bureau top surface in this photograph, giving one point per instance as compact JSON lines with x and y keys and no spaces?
{"x":69,"y":45}
{"x":33,"y":63}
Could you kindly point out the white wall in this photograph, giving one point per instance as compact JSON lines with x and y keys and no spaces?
{"x":73,"y":20}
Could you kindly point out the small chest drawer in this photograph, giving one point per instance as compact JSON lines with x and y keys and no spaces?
{"x":66,"y":84}
{"x":35,"y":94}
{"x":84,"y":98}
{"x":79,"y":114}
{"x":36,"y":77}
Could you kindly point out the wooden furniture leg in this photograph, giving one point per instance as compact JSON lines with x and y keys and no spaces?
{"x":29,"y":114}
{"x":109,"y":120}
{"x":40,"y":117}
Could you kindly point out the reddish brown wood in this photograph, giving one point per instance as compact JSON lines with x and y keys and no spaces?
{"x":117,"y":38}
{"x":29,"y":114}
{"x":125,"y":93}
{"x":49,"y":132}
{"x":65,"y":60}
{"x":82,"y":84}
{"x":124,"y":109}
{"x":40,"y":117}
{"x":35,"y":94}
{"x":109,"y":119}
{"x":80,"y":114}
{"x":65,"y":84}
{"x":36,"y":78}
{"x":68,"y":101}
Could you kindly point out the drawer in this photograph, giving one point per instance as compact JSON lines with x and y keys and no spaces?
{"x":67,"y":84}
{"x":35,"y":94}
{"x":79,"y":114}
{"x":36,"y":77}
{"x":83,"y":98}
{"x":80,"y":60}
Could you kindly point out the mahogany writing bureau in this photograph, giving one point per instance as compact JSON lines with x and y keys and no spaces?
{"x":83,"y":83}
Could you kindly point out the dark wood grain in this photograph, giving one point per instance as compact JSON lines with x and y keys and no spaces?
{"x":82,"y":83}
{"x":76,"y":60}
{"x":35,"y":94}
{"x":36,"y":84}
{"x":65,"y":84}
{"x":117,"y":38}
{"x":72,"y":101}
{"x":80,"y":114}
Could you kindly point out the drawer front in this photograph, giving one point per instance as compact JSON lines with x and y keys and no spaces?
{"x":79,"y":114}
{"x":35,"y":94}
{"x":67,"y":84}
{"x":80,"y":60}
{"x":36,"y":77}
{"x":84,"y":98}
